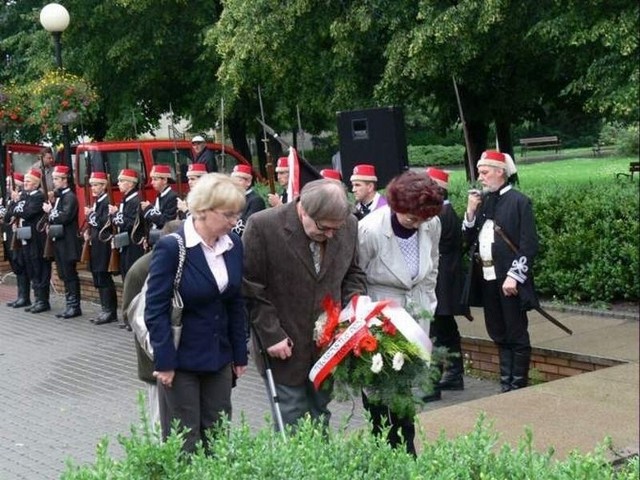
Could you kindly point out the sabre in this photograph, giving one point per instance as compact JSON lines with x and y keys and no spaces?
{"x":270,"y":170}
{"x":538,"y":309}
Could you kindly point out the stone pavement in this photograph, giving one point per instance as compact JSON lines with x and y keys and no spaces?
{"x":69,"y":383}
{"x":574,"y":413}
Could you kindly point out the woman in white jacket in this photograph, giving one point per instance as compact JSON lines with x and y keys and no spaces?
{"x":398,"y":251}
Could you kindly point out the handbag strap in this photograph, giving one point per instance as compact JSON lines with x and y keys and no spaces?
{"x":182,"y":254}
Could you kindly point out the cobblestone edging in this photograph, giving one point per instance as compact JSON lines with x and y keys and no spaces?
{"x":595,"y":312}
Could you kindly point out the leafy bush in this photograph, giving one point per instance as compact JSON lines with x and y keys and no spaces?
{"x":435,"y":155}
{"x":312,"y":453}
{"x":624,"y":137}
{"x":588,"y":241}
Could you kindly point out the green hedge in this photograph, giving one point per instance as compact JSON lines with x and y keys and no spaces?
{"x":432,"y":155}
{"x":316,"y":455}
{"x":589,"y":247}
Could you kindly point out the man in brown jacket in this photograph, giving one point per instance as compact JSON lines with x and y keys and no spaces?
{"x":295,"y":256}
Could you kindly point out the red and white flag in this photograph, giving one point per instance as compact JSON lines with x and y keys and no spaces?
{"x":293,"y":187}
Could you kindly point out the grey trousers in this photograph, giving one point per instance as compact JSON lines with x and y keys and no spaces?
{"x":198,"y":400}
{"x":296,"y":402}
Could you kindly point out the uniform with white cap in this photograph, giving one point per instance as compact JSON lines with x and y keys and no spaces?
{"x":503,"y":281}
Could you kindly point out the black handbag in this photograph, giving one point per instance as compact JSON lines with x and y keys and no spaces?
{"x":121,"y":240}
{"x":23,"y":233}
{"x":56,"y":232}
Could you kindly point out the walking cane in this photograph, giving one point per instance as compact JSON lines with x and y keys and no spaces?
{"x":271,"y":386}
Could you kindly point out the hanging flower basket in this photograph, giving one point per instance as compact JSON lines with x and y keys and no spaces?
{"x":60,"y":98}
{"x":12,"y":107}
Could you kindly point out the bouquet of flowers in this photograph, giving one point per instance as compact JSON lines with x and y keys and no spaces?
{"x":61,"y":98}
{"x":376,"y":347}
{"x":12,"y":102}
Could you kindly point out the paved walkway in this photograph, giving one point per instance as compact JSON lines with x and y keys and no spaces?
{"x":68,"y":383}
{"x":574,"y":413}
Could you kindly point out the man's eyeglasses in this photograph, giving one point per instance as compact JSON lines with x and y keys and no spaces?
{"x":324,"y":228}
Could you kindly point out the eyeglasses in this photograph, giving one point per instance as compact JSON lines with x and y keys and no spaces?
{"x":324,"y":228}
{"x":230,"y":216}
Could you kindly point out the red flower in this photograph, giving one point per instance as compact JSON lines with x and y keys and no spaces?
{"x":332,"y":309}
{"x":388,"y":327}
{"x":64,"y":103}
{"x":368,"y":343}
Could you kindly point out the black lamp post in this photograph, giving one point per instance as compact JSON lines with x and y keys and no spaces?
{"x":55,"y":20}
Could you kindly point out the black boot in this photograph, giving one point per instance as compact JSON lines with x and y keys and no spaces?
{"x":42,"y":301}
{"x":73,"y":302}
{"x":453,"y":379}
{"x":520,"y":370}
{"x":109,"y":301}
{"x":24,"y":286}
{"x":506,"y":367}
{"x":66,"y":303}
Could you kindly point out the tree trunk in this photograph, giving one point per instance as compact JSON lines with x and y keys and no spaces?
{"x":238,"y":135}
{"x":503,"y":132}
{"x":478,"y":132}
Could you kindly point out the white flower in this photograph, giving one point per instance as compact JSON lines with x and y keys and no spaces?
{"x":376,"y":363}
{"x":398,"y":361}
{"x":319,"y":326}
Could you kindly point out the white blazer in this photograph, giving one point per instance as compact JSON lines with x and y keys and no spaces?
{"x":386,"y":270}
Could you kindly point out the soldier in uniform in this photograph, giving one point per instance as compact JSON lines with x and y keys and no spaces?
{"x":165,"y":207}
{"x":243,"y":174}
{"x":14,"y":185}
{"x":98,"y":220}
{"x":63,"y":231}
{"x":331,"y":174}
{"x":126,"y":216}
{"x":128,"y":220}
{"x":364,"y":182}
{"x":495,"y":218}
{"x":444,"y":328}
{"x":32,"y":238}
{"x":282,"y":175}
{"x":194,"y":172}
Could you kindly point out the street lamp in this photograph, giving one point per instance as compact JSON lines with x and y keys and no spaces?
{"x":55,"y":20}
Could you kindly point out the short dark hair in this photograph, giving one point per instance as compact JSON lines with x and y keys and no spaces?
{"x":414,"y":193}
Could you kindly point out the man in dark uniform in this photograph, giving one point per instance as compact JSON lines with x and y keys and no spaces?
{"x":99,"y":234}
{"x":63,"y":231}
{"x":15,"y":184}
{"x":282,"y":175}
{"x":243,"y":174}
{"x":165,"y":207}
{"x":449,"y":285}
{"x":32,"y":239}
{"x":126,"y":216}
{"x":201,"y":154}
{"x":495,"y":217}
{"x":128,"y":219}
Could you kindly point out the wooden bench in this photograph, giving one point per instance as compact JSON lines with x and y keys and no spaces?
{"x":633,"y":168}
{"x":601,"y":149}
{"x":540,"y":142}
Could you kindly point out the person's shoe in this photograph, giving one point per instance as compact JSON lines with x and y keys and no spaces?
{"x":71,"y":313}
{"x":451,"y":382}
{"x":40,"y":307}
{"x":19,"y":303}
{"x":433,"y":397}
{"x":124,"y":326}
{"x":11,"y":304}
{"x":105,"y":317}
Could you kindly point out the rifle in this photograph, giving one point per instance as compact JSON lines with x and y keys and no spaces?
{"x":114,"y":257}
{"x":538,"y":309}
{"x":86,"y":246}
{"x":271,"y":173}
{"x":43,"y":223}
{"x":467,"y":141}
{"x":176,"y":160}
{"x":15,"y":243}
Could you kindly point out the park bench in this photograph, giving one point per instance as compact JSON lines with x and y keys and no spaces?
{"x":633,"y":168}
{"x":540,"y":142}
{"x":599,"y":149}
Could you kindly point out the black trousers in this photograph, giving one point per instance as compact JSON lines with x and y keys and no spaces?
{"x":102,"y":279}
{"x":198,"y":400}
{"x":401,"y":429}
{"x":507,"y":324}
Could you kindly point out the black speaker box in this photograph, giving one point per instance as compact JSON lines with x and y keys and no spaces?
{"x":374,"y":136}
